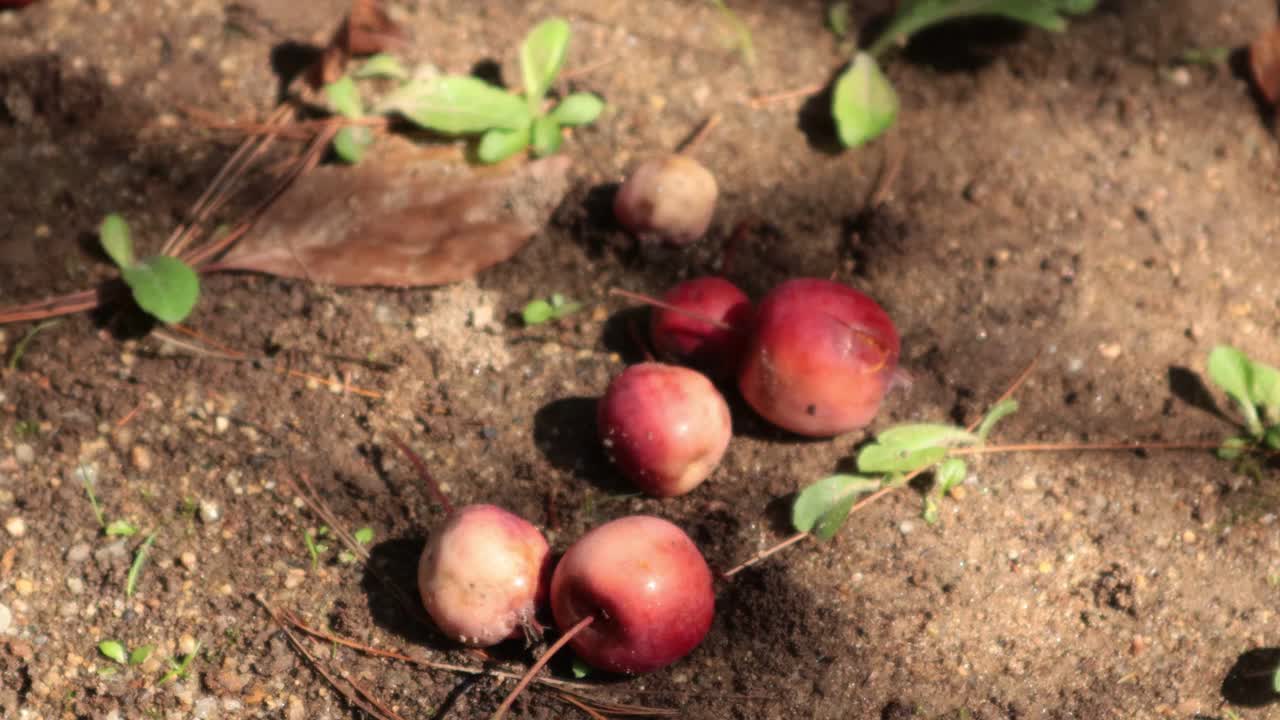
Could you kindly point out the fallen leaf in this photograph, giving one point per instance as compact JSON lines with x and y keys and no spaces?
{"x":366,"y":30}
{"x":1264,"y":60}
{"x":405,"y":216}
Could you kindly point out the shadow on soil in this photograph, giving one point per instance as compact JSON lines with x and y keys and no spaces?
{"x":1250,"y":681}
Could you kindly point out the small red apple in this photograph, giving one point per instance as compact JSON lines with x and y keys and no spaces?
{"x":681,"y":333}
{"x":647,"y":588}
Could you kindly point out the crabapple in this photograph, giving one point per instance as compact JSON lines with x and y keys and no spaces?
{"x":680,"y":330}
{"x":670,"y":198}
{"x":666,"y":427}
{"x":819,"y":359}
{"x":483,"y":574}
{"x":647,"y":589}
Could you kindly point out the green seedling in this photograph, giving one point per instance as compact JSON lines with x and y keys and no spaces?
{"x":741,"y":33}
{"x":139,"y":560}
{"x":24,"y":429}
{"x":364,"y":536}
{"x":900,"y":452}
{"x":864,"y":103}
{"x":505,"y":123}
{"x":179,"y":669}
{"x":114,"y":650}
{"x":164,"y":286}
{"x":314,"y":545}
{"x":87,"y":481}
{"x":1255,"y":387}
{"x":553,"y":308}
{"x":20,"y":348}
{"x":579,"y":668}
{"x":121,"y":528}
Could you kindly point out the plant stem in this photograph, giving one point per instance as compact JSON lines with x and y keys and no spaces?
{"x":538,"y":665}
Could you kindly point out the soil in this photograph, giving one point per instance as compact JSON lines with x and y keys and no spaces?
{"x":1080,"y":197}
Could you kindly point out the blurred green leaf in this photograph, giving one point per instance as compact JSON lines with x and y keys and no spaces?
{"x":822,"y":507}
{"x":580,"y":668}
{"x":140,"y":655}
{"x":546,"y":136}
{"x":121,"y":528}
{"x":838,"y":18}
{"x":344,"y":97}
{"x":916,"y":436}
{"x":364,"y":535}
{"x":995,"y":415}
{"x":1231,"y":371}
{"x":135,"y":570}
{"x":164,"y":286}
{"x":541,"y":56}
{"x":864,"y":104}
{"x":114,"y":650}
{"x":950,"y":473}
{"x":916,"y":15}
{"x":382,"y":65}
{"x":1233,"y":448}
{"x":578,"y":109}
{"x":457,"y":105}
{"x":537,"y":312}
{"x":351,"y":142}
{"x":498,"y":145}
{"x":881,"y":459}
{"x":115,"y":239}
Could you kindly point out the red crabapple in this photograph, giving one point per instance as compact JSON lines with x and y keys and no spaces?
{"x":670,"y":198}
{"x":687,"y":337}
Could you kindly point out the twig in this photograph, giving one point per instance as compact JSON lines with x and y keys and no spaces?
{"x":759,"y":101}
{"x":648,"y":300}
{"x":688,"y":146}
{"x":1074,"y":446}
{"x":542,"y":661}
{"x":425,"y":475}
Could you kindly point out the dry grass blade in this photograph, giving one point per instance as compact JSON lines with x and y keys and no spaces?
{"x":366,"y":30}
{"x":403,"y":217}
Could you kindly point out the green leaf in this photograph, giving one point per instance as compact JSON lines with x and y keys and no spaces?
{"x":457,"y":105}
{"x":995,"y":415}
{"x":541,"y":56}
{"x":1231,"y":370}
{"x":1233,"y":448}
{"x":822,"y":507}
{"x":537,"y":312}
{"x":580,"y":668}
{"x":498,"y":145}
{"x":351,"y":142}
{"x":364,"y":535}
{"x":1077,"y":7}
{"x":929,"y":511}
{"x":164,"y":286}
{"x":546,"y":136}
{"x":121,"y":528}
{"x":950,"y":474}
{"x":579,"y":108}
{"x":113,"y":650}
{"x":114,"y":236}
{"x":344,"y":97}
{"x":881,"y":459}
{"x":1275,"y":681}
{"x":1264,"y":388}
{"x":917,"y":436}
{"x":914,"y":16}
{"x":838,"y":18}
{"x":382,"y":65}
{"x":135,"y":570}
{"x":864,"y":104}
{"x":140,"y":655}
{"x":1272,"y":437}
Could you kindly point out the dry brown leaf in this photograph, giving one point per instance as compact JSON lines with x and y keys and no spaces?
{"x":405,"y":216}
{"x":1264,"y":60}
{"x":366,"y":30}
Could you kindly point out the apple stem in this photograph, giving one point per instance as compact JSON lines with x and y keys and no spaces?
{"x":541,"y":662}
{"x":421,"y":466}
{"x":649,"y":300}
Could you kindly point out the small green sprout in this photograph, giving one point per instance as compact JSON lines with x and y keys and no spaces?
{"x":20,"y":348}
{"x":314,"y":546}
{"x":1255,"y":387}
{"x":139,"y":560}
{"x":179,"y":669}
{"x":553,"y":308}
{"x":121,"y":528}
{"x":865,"y":104}
{"x":164,"y":286}
{"x":87,"y":482}
{"x":140,"y":654}
{"x":26,"y":429}
{"x":364,"y":535}
{"x":580,"y":668}
{"x":896,"y":453}
{"x":507,"y":123}
{"x":114,"y":650}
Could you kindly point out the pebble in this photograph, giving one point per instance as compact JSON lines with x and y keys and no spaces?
{"x":210,"y":512}
{"x":221,"y":424}
{"x":24,"y":454}
{"x":141,"y":458}
{"x":107,"y":554}
{"x":188,"y":560}
{"x":24,"y":586}
{"x":186,"y":644}
{"x":206,"y":708}
{"x":16,"y":526}
{"x":294,"y":578}
{"x":78,"y":553}
{"x":75,"y":585}
{"x":6,"y":618}
{"x":906,"y":527}
{"x":1026,"y":482}
{"x":295,"y":709}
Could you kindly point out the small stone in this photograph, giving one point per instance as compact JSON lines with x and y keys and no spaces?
{"x":209,"y":512}
{"x":16,"y":526}
{"x":78,"y":553}
{"x":75,"y":585}
{"x":24,"y":586}
{"x":186,"y":644}
{"x":906,"y":527}
{"x":482,"y":316}
{"x":24,"y":454}
{"x":384,"y":315}
{"x":1110,"y":351}
{"x":140,"y":456}
{"x":294,"y":578}
{"x":1026,"y":483}
{"x":106,"y":555}
{"x":6,"y":618}
{"x":188,"y":560}
{"x":206,"y":708}
{"x":221,"y":424}
{"x":1180,"y":76}
{"x":295,"y":710}
{"x":1189,"y":537}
